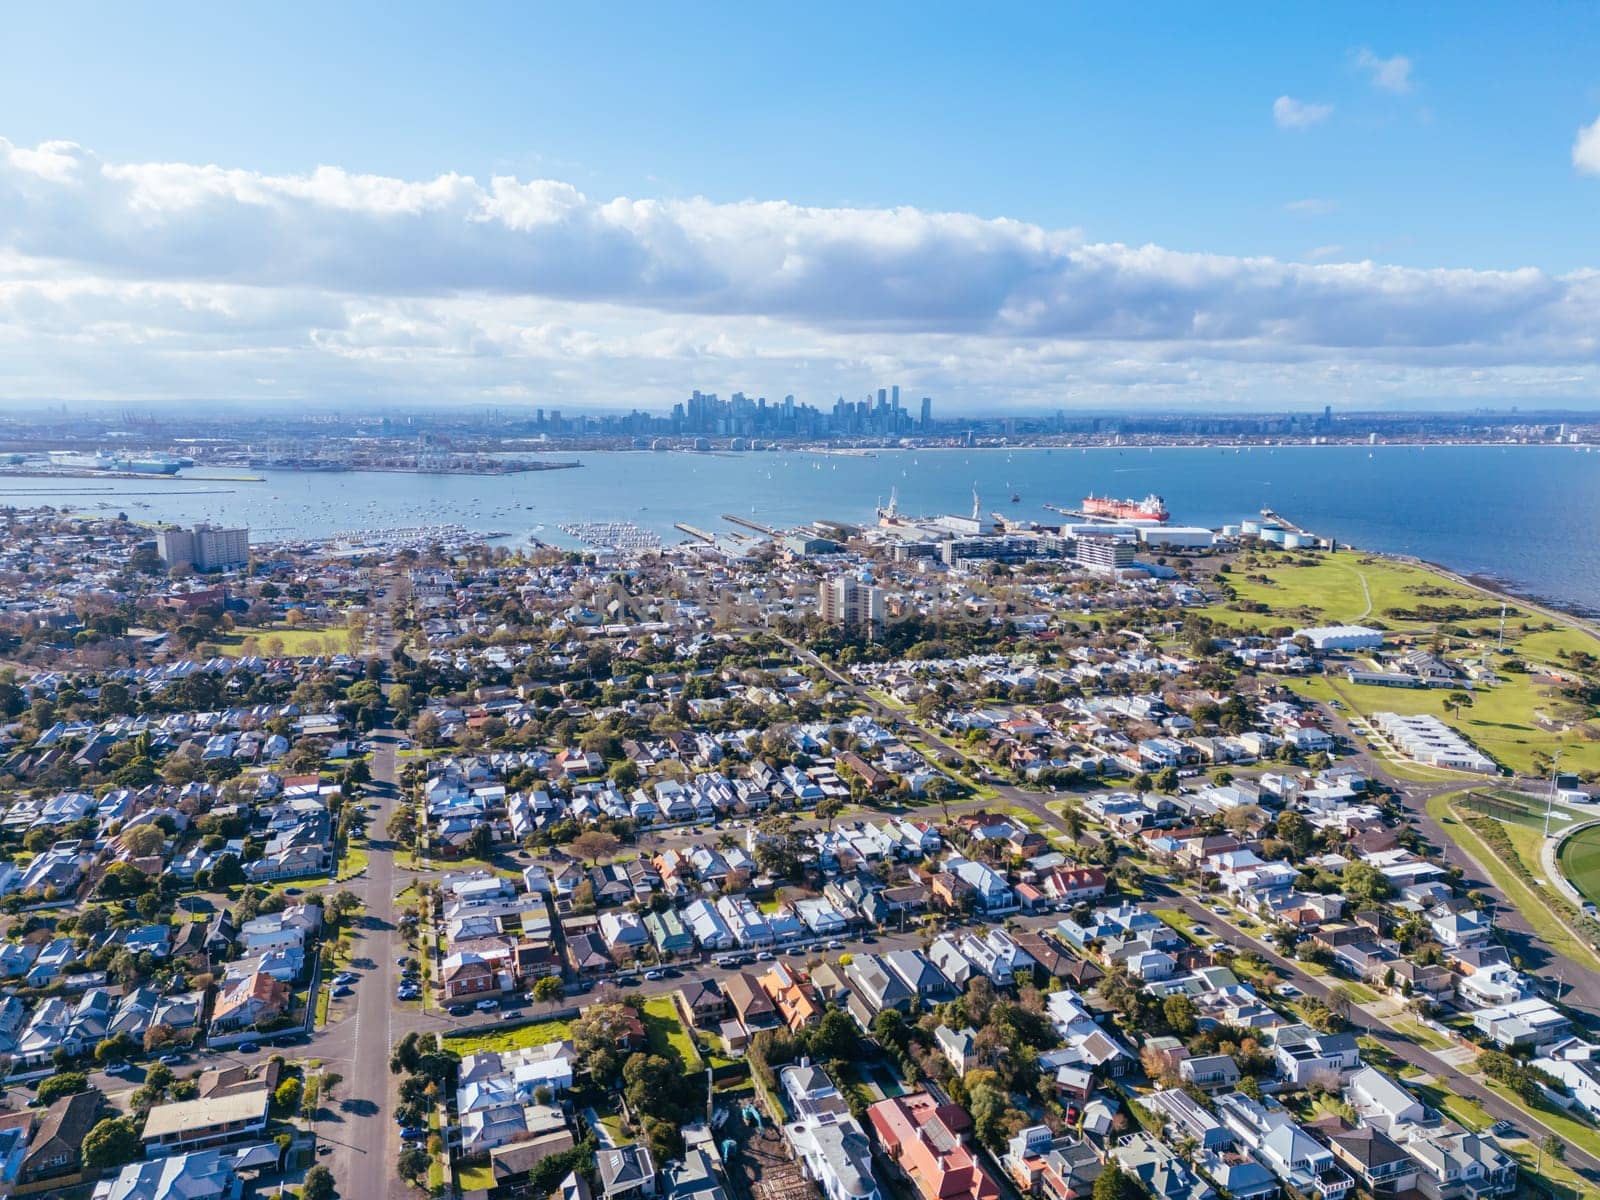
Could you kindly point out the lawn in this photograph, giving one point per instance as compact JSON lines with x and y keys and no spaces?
{"x":1524,"y":898}
{"x":353,"y":863}
{"x":295,"y":641}
{"x":1580,"y":862}
{"x":1179,"y":920}
{"x":1501,"y":721}
{"x":1420,"y":1034}
{"x":540,"y":1033}
{"x":471,"y":1179}
{"x":668,"y":1038}
{"x":1331,"y":592}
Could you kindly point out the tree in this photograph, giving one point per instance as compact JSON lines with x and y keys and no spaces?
{"x":1363,"y":883}
{"x":412,"y":1164}
{"x":142,"y":841}
{"x":343,"y":904}
{"x":480,"y":842}
{"x":547,"y":988}
{"x":1179,"y":1011}
{"x":828,"y":808}
{"x":330,"y":1082}
{"x":63,"y":1083}
{"x":594,"y":844}
{"x":112,"y":1142}
{"x":286,"y":1100}
{"x":318,"y":1184}
{"x":1113,"y":1184}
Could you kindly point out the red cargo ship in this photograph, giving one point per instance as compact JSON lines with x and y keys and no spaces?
{"x":1151,"y":508}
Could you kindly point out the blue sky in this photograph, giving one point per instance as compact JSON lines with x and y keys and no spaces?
{"x":1409,"y":136}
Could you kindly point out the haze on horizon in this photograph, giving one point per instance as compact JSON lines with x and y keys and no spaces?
{"x":1068,"y":208}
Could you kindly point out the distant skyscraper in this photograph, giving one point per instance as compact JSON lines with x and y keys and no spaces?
{"x":894,"y":396}
{"x":927,"y":411}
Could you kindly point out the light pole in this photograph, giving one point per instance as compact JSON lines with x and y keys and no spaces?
{"x":1550,"y":797}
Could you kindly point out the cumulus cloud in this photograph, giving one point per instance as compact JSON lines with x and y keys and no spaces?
{"x":1290,"y":113}
{"x":1388,"y":74}
{"x":184,"y":279}
{"x":1586,"y":148}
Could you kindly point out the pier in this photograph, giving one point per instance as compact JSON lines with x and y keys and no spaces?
{"x":1280,"y":520}
{"x":731,"y":519}
{"x":695,"y":533}
{"x":1078,"y":514}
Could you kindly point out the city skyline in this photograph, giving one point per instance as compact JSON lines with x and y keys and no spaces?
{"x":1341,"y":216}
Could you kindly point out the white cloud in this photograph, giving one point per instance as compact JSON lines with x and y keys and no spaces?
{"x":1586,"y":148}
{"x":1389,"y":74}
{"x":1311,"y":206}
{"x":169,"y":280}
{"x":1290,"y":113}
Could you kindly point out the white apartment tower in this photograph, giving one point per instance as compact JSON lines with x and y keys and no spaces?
{"x":848,"y":601}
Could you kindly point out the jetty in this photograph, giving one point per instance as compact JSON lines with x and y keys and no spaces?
{"x":693,"y":532}
{"x":748,"y":524}
{"x":1282,"y":521}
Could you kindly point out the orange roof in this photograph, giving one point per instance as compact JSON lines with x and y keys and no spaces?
{"x":915,"y":1134}
{"x":796,"y":1001}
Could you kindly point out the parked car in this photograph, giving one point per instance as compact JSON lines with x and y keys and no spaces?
{"x":250,"y":1048}
{"x":169,"y":1060}
{"x":341,"y":991}
{"x":118,"y":1068}
{"x":460,"y":1010}
{"x":488,"y":1004}
{"x":654,"y":975}
{"x":346,"y":977}
{"x":764,"y":956}
{"x":411,"y":1132}
{"x":835,"y":944}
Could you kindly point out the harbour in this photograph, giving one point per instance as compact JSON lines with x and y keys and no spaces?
{"x":1530,"y":528}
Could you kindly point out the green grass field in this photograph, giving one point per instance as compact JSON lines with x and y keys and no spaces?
{"x":1580,"y":862}
{"x":1331,"y":592}
{"x":541,"y":1033}
{"x":1511,"y":721}
{"x":293,"y":641}
{"x":667,"y":1035}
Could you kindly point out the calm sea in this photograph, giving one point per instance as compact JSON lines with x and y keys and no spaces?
{"x":1522,"y":515}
